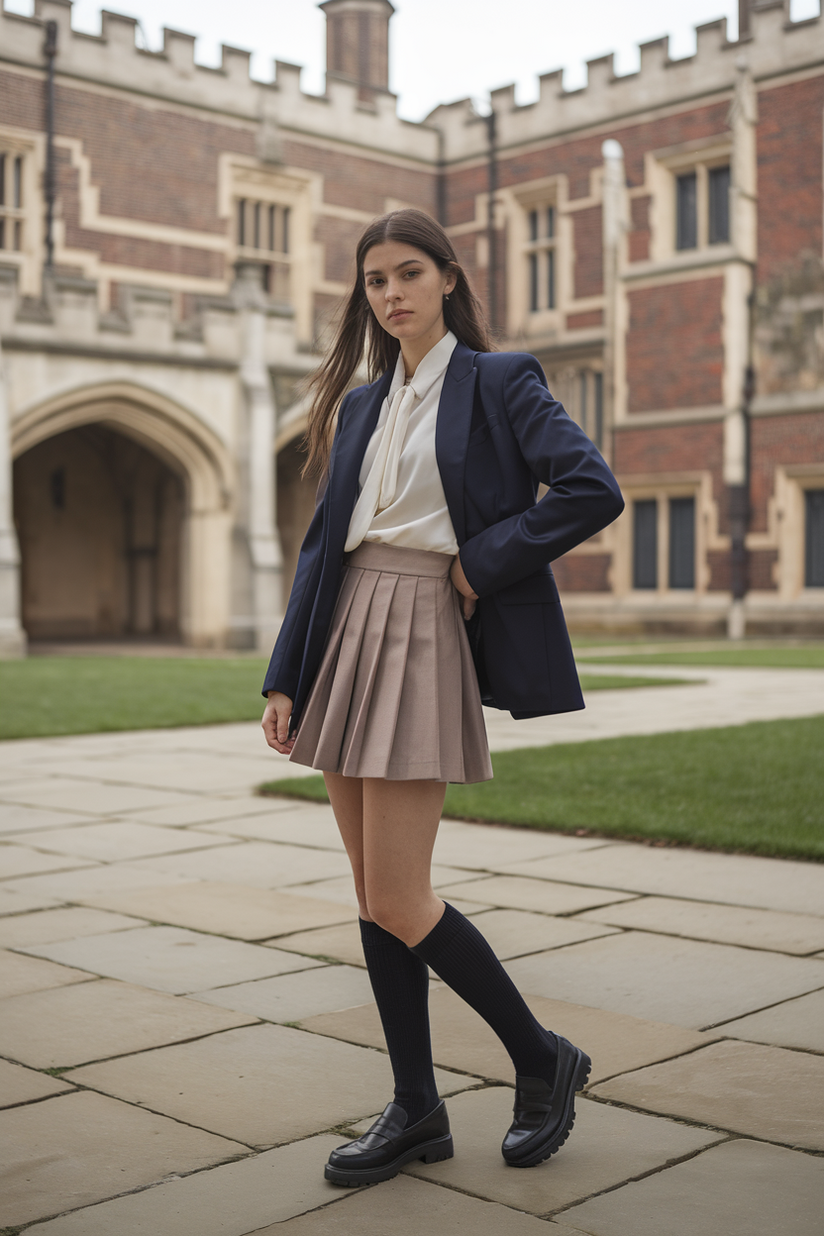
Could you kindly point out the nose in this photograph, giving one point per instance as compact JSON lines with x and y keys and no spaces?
{"x":394,"y":290}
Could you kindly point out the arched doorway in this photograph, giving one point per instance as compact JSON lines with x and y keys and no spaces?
{"x":296,"y":506}
{"x":124,"y":506}
{"x":99,"y":519}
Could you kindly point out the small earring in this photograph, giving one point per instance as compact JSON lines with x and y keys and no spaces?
{"x":446,"y":297}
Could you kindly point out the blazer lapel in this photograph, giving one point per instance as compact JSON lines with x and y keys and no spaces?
{"x":452,"y":432}
{"x":360,"y":425}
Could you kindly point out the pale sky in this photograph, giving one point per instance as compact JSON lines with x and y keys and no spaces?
{"x":440,"y":50}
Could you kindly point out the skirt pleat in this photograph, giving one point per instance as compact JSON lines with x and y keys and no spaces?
{"x":396,"y":695}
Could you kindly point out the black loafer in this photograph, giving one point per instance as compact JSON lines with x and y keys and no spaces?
{"x":545,"y":1114}
{"x":388,"y":1145}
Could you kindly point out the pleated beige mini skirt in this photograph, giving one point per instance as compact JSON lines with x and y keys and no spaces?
{"x":396,"y":695}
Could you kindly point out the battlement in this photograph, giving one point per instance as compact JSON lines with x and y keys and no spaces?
{"x":775,"y":45}
{"x":113,"y":58}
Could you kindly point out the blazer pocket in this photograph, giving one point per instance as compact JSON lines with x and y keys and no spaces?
{"x":534,"y":590}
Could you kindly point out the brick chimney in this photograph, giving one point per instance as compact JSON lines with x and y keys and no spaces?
{"x":357,"y":43}
{"x":745,"y":8}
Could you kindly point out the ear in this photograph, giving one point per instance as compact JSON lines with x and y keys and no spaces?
{"x":451,"y":281}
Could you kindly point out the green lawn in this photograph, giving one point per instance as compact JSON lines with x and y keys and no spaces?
{"x":756,"y":788}
{"x":44,"y":696}
{"x":808,"y":656}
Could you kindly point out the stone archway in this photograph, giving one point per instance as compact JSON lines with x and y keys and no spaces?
{"x":122,"y":499}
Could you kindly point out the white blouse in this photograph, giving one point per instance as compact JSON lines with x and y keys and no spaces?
{"x":415,"y":514}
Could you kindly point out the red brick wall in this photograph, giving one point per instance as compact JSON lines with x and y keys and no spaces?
{"x":672,"y":448}
{"x":675,"y":355}
{"x":791,"y":439}
{"x":789,"y":174}
{"x":577,"y":321}
{"x":589,"y":255}
{"x":582,"y":572}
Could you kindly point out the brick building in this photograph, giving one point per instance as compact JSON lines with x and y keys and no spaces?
{"x":174,"y":240}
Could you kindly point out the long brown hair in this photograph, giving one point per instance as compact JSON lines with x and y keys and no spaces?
{"x":359,"y":330}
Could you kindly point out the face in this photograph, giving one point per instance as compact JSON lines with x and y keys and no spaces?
{"x":405,"y":289}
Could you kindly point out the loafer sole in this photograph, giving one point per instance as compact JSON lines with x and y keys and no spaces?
{"x":545,"y":1150}
{"x":434,"y":1151}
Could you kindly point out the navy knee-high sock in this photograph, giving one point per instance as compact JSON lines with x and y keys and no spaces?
{"x":460,"y":955}
{"x":400,"y":981}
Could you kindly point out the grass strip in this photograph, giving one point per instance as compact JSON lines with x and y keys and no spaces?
{"x":808,"y":657}
{"x":45,"y":696}
{"x":754,"y":789}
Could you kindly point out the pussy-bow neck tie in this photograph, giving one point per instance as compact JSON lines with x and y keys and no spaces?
{"x":382,"y":481}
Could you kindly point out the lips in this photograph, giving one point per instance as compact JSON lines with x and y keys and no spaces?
{"x":398,"y":314}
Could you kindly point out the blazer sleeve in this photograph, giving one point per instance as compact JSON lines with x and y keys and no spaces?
{"x":583,"y":494}
{"x":286,"y":661}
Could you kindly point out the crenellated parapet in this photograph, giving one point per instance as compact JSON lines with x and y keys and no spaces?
{"x":774,"y":46}
{"x":113,"y":58}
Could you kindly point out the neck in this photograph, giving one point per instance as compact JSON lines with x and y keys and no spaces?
{"x":414,"y":350}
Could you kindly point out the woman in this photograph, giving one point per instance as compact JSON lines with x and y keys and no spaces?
{"x":429,"y":511}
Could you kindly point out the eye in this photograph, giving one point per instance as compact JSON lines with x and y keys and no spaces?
{"x":412,"y":273}
{"x":374,"y":282}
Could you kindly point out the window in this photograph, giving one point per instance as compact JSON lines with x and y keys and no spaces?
{"x":11,"y":202}
{"x":702,"y":207}
{"x":262,"y":229}
{"x":591,"y":404}
{"x":541,"y":259}
{"x":658,"y":523}
{"x":682,"y":542}
{"x":645,"y":543}
{"x":814,"y":538}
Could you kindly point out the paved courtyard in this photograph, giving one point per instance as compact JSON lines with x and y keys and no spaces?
{"x":186,"y":1026}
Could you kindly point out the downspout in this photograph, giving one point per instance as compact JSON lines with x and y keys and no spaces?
{"x":492,"y":189}
{"x":50,"y":52}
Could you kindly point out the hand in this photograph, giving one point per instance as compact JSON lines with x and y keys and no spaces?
{"x":275,"y":722}
{"x":468,"y":597}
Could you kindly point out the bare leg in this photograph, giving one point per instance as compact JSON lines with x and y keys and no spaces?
{"x":346,"y":797}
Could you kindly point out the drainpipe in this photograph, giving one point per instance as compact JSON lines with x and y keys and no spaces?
{"x":50,"y":52}
{"x":492,"y":189}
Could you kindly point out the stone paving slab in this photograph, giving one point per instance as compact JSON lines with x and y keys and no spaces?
{"x":665,"y":978}
{"x":261,"y":1085}
{"x":117,"y":840}
{"x":19,"y":974}
{"x":225,"y":909}
{"x":542,"y":896}
{"x":673,"y":871}
{"x":174,"y":769}
{"x":607,"y":1147}
{"x":293,"y":997}
{"x":70,"y":1026}
{"x":801,"y":934}
{"x":77,"y":1149}
{"x":258,"y":864}
{"x":229,"y":1200}
{"x":795,"y":1023}
{"x":213,"y":809}
{"x":13,"y":902}
{"x":461,"y":1039}
{"x":77,"y":885}
{"x":343,"y":943}
{"x":490,"y":847}
{"x":740,"y":1188}
{"x":309,"y":826}
{"x":22,"y":820}
{"x":88,"y":797}
{"x":516,"y":933}
{"x":21,"y":860}
{"x":764,"y":1092}
{"x":19,"y":1085}
{"x":170,"y":958}
{"x":64,"y":923}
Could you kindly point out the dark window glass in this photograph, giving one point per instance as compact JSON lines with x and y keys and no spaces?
{"x":533,"y":281}
{"x":284,"y":248}
{"x":18,"y":182}
{"x":686,"y":215}
{"x":533,"y":225}
{"x":2,"y":233}
{"x":582,"y":381}
{"x":719,"y":182}
{"x":241,"y":221}
{"x":550,"y":221}
{"x":2,"y":180}
{"x":645,"y":544}
{"x":256,"y":218}
{"x":814,"y":539}
{"x":18,"y":235}
{"x":271,"y":227}
{"x":682,"y":543}
{"x":598,"y":401}
{"x":550,"y":279}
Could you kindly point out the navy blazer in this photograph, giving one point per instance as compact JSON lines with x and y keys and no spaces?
{"x":499,"y":432}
